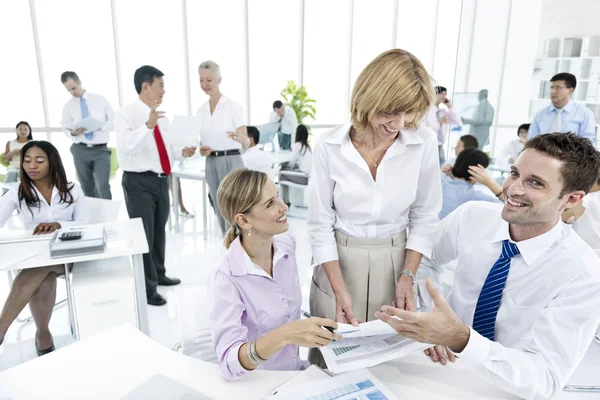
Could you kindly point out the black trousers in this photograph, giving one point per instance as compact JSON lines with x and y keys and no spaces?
{"x":147,"y":197}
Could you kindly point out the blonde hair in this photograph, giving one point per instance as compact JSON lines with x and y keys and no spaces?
{"x":210,"y":64}
{"x":395,"y":81}
{"x":238,"y":192}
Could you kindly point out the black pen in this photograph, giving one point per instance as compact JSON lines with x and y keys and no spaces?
{"x":307,"y":315}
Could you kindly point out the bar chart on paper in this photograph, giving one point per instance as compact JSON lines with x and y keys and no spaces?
{"x":363,"y":390}
{"x":341,"y":350}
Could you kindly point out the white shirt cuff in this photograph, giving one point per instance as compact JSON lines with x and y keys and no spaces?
{"x":323,"y":254}
{"x":477,"y":349}
{"x":419,"y":244}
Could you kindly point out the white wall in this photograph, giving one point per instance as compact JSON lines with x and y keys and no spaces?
{"x":572,"y":18}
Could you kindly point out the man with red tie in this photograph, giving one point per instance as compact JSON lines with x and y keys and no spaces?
{"x":146,"y":157}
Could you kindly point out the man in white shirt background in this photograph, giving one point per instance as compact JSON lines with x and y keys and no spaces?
{"x":90,"y":152}
{"x":564,"y":115}
{"x":439,"y":117}
{"x":511,"y":151}
{"x":286,"y":116}
{"x":523,"y":308}
{"x":253,"y":157}
{"x":146,"y":158}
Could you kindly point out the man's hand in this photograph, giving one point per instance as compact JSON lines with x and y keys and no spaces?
{"x":447,"y":169}
{"x":154,"y":115}
{"x":78,"y":131}
{"x":205,"y":151}
{"x":440,"y":326}
{"x":188,"y":151}
{"x":441,"y":354}
{"x":44,"y":228}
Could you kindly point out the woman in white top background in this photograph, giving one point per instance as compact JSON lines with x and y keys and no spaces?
{"x":373,"y":179}
{"x":220,"y":112}
{"x":13,"y":149}
{"x":46,"y":201}
{"x":301,"y":162}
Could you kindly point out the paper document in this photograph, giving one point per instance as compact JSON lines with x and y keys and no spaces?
{"x":218,"y":139}
{"x":371,"y":328}
{"x":357,"y":385}
{"x":89,"y":123}
{"x":310,"y":374}
{"x":184,"y":130}
{"x":364,"y":352}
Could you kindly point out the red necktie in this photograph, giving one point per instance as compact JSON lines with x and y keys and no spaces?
{"x":162,"y":151}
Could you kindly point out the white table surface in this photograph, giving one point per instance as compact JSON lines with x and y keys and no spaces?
{"x":111,"y":364}
{"x":124,"y":238}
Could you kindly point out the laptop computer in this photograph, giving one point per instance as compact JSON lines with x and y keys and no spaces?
{"x":160,"y":387}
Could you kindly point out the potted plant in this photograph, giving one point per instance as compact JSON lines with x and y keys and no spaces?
{"x":297,"y":98}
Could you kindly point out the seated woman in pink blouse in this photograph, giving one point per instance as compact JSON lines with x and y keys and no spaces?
{"x":254,"y":293}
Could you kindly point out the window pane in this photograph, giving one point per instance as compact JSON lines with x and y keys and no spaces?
{"x":19,"y":68}
{"x":446,"y":43}
{"x":373,"y":27}
{"x":151,"y":33}
{"x":68,"y":44}
{"x":326,"y":58}
{"x":216,"y":32}
{"x":274,"y":32}
{"x":416,"y":27}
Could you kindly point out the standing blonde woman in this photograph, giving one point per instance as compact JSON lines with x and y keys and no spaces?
{"x":254,"y":293}
{"x":220,"y":112}
{"x":375,"y":194}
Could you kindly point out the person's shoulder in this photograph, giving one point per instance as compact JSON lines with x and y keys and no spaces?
{"x":11,"y":195}
{"x":335,"y":136}
{"x":426,"y":133}
{"x":578,"y":254}
{"x":543,"y":111}
{"x":286,"y":242}
{"x":75,"y":190}
{"x":481,"y":211}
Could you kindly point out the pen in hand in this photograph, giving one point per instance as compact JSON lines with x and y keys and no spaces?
{"x":307,"y":315}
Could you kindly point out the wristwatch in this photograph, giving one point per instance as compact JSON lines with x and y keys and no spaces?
{"x":409,"y":273}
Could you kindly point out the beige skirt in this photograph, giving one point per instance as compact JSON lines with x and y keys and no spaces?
{"x":370,"y":267}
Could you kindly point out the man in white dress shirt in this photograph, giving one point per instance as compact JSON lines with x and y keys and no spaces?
{"x":146,"y":158}
{"x":254,"y":158}
{"x":90,"y":152}
{"x":285,"y":115}
{"x":524,"y":305}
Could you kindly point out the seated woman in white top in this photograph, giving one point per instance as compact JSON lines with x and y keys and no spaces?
{"x":46,"y":201}
{"x":301,"y":162}
{"x":13,"y":149}
{"x":254,"y":293}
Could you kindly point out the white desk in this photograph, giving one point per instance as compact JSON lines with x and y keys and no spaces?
{"x":124,"y":238}
{"x":111,"y":364}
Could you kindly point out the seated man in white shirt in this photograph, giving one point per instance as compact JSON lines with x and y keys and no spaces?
{"x":511,"y":151}
{"x":285,"y":115}
{"x":528,"y":333}
{"x":254,"y":158}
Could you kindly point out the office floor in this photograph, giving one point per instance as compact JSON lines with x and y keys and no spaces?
{"x":191,"y":258}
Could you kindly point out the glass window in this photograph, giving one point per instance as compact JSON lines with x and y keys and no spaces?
{"x":446,"y":44}
{"x":416,"y":28}
{"x":21,"y":85}
{"x":76,"y":36}
{"x":151,"y":33}
{"x":216,"y":32}
{"x":274,"y":32}
{"x":326,"y":58}
{"x":370,"y":38}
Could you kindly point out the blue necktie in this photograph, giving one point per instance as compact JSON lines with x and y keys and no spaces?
{"x":484,"y":320}
{"x":86,"y":113}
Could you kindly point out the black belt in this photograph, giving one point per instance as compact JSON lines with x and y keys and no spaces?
{"x":220,"y":153}
{"x":148,"y":173}
{"x":92,"y":145}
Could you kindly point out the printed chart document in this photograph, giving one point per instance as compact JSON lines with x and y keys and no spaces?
{"x":184,"y":130}
{"x":90,"y":124}
{"x":371,"y":328}
{"x":363,"y":352}
{"x":218,"y":139}
{"x":356,"y":385}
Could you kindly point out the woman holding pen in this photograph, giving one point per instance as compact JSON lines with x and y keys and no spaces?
{"x":254,"y":293}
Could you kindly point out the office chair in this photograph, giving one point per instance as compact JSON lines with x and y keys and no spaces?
{"x":194,"y":325}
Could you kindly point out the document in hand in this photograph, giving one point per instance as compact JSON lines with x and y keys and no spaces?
{"x":363,"y":352}
{"x":351,"y":386}
{"x":371,"y":328}
{"x":89,"y":123}
{"x":184,"y":130}
{"x":218,"y":139}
